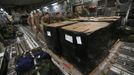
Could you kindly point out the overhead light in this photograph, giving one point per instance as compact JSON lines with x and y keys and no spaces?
{"x":55,"y":7}
{"x":38,"y":9}
{"x":54,"y":4}
{"x":2,"y":9}
{"x":46,"y":7}
{"x":5,"y":13}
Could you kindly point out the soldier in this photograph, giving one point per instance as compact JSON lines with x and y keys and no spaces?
{"x":36,"y":21}
{"x":58,"y":17}
{"x":45,"y":19}
{"x":29,"y":20}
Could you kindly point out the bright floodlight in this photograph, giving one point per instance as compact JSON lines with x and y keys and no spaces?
{"x":46,"y":7}
{"x":2,"y":9}
{"x":54,"y":4}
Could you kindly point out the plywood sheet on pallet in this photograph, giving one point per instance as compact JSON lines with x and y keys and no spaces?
{"x":100,"y":19}
{"x":59,"y":24}
{"x":86,"y":26}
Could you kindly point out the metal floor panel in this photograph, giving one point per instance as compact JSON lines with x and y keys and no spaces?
{"x":125,"y":59}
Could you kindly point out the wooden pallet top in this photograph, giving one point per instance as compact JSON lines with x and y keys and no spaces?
{"x":80,"y":18}
{"x":59,"y":24}
{"x":111,"y":18}
{"x":86,"y":26}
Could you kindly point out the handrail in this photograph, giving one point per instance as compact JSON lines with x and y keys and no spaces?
{"x":127,"y":14}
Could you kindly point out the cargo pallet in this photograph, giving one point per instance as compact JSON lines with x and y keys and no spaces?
{"x":101,"y":69}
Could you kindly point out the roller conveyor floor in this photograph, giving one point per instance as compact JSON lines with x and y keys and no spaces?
{"x":119,"y":61}
{"x":20,"y":47}
{"x":124,"y":63}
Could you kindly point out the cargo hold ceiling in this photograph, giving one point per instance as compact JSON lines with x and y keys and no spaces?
{"x":26,"y":4}
{"x":20,"y":2}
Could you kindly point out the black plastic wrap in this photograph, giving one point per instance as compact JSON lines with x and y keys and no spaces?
{"x":94,"y":46}
{"x":52,"y":36}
